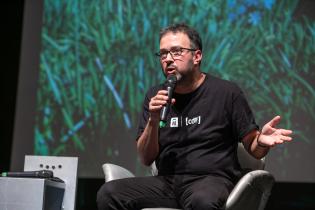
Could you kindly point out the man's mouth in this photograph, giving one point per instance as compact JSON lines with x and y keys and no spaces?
{"x":170,"y":70}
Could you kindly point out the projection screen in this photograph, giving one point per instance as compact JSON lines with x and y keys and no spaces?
{"x":86,"y":66}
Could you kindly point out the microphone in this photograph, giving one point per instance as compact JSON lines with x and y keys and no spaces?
{"x":170,"y":84}
{"x":30,"y":174}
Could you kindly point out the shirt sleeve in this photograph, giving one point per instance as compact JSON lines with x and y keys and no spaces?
{"x":143,"y":118}
{"x":242,"y":117}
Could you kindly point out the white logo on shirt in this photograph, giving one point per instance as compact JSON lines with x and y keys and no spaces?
{"x":174,"y":122}
{"x":195,"y":120}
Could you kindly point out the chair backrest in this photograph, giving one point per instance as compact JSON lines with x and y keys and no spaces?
{"x":113,"y":172}
{"x":253,"y":189}
{"x":247,"y":162}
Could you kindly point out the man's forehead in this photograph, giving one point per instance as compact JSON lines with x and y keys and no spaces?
{"x":172,"y":39}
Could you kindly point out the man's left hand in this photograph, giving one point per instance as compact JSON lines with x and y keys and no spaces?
{"x":271,"y":136}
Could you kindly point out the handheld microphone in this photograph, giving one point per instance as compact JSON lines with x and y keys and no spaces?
{"x":170,"y":84}
{"x":29,"y":174}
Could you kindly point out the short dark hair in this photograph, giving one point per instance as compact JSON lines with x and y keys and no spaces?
{"x":192,"y":34}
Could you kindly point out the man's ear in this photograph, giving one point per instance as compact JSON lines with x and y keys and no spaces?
{"x":197,"y":57}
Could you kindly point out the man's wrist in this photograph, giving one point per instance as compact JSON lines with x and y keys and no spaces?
{"x":153,"y":120}
{"x":261,"y":144}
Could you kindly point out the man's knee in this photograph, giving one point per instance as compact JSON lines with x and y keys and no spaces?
{"x":204,"y":202}
{"x":104,"y":196}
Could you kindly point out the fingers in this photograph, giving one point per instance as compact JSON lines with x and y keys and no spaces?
{"x":273,"y":136}
{"x":282,"y":139}
{"x":283,"y":136}
{"x":158,"y":101}
{"x":286,"y":138}
{"x":274,"y":121}
{"x":285,"y":132}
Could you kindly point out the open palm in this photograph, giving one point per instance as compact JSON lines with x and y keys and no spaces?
{"x":271,"y":136}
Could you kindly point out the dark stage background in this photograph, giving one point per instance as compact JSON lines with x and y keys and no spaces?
{"x":285,"y":195}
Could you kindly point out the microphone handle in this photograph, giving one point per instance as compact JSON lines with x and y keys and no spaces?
{"x":166,"y":109}
{"x":29,"y":174}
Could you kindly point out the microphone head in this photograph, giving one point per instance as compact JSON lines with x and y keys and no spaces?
{"x":172,"y":79}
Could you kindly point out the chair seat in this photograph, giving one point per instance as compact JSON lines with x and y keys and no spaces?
{"x":251,"y":192}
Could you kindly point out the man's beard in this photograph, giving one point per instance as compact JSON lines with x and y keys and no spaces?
{"x":185,"y":78}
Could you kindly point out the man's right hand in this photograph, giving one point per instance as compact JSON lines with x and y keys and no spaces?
{"x":156,"y":104}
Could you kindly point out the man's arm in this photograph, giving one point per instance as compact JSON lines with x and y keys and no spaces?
{"x":148,"y":142}
{"x":258,"y":143}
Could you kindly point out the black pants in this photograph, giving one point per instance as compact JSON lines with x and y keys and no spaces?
{"x":196,"y":192}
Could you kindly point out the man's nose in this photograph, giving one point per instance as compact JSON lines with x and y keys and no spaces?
{"x":169,"y":57}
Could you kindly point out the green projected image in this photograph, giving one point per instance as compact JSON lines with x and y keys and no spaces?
{"x":97,"y":62}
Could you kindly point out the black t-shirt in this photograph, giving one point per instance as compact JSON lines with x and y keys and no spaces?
{"x":203,"y":129}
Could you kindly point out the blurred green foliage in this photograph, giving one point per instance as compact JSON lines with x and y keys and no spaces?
{"x":97,"y":62}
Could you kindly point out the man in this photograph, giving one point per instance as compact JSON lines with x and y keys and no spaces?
{"x":195,"y":152}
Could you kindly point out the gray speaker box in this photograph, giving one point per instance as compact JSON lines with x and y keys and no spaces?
{"x":41,"y":194}
{"x":30,"y":193}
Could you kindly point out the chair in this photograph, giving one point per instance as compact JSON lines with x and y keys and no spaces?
{"x":251,"y":191}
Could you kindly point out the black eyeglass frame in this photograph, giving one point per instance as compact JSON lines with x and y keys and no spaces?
{"x":179,"y":49}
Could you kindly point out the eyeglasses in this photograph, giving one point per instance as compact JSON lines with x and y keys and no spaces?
{"x":175,"y":52}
